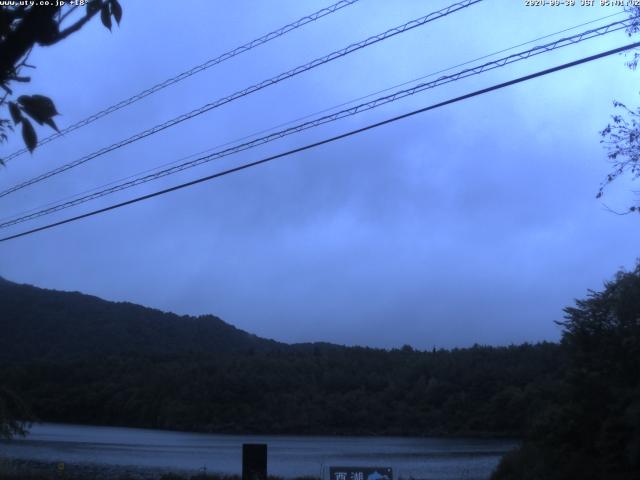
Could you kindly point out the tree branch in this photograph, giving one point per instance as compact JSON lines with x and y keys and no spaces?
{"x":66,"y":14}
{"x":75,"y":27}
{"x":22,"y":39}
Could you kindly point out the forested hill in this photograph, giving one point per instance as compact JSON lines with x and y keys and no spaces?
{"x":47,"y":324}
{"x":76,"y":358}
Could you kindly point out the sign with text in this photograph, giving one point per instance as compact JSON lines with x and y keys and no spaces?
{"x":360,"y":473}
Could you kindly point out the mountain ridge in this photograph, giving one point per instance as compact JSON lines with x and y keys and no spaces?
{"x":41,"y":323}
{"x":80,"y":359}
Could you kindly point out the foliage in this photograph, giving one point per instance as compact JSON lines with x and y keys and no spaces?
{"x":323,"y":390}
{"x":621,"y":136}
{"x":634,"y":16}
{"x":76,"y":358}
{"x":577,"y":404}
{"x":622,"y":139}
{"x":23,"y":26}
{"x":591,"y":427}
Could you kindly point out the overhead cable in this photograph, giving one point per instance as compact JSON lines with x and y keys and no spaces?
{"x":249,"y":90}
{"x":574,"y":39}
{"x":192,"y":71}
{"x":328,"y":140}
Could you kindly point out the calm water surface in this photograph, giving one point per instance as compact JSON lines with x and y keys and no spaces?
{"x":420,"y":458}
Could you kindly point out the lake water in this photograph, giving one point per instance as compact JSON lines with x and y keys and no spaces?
{"x":288,"y":456}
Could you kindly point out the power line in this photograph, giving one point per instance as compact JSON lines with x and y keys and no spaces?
{"x":197,"y":69}
{"x":589,"y":34}
{"x":331,"y":139}
{"x":328,"y":118}
{"x":289,"y":122}
{"x":249,"y":90}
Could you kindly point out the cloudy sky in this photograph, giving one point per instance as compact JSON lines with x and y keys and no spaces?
{"x":476,"y":222}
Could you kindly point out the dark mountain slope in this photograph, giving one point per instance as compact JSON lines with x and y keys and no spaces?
{"x":47,"y":324}
{"x":79,"y":359}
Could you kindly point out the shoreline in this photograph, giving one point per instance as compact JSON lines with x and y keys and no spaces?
{"x":23,"y":469}
{"x":440,"y":435}
{"x":17,"y":463}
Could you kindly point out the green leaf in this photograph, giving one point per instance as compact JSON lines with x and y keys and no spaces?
{"x":29,"y":135}
{"x":116,"y":10}
{"x":105,"y":16}
{"x":15,"y":112}
{"x":39,"y":107}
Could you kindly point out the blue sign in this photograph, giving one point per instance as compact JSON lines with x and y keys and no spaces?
{"x":360,"y":473}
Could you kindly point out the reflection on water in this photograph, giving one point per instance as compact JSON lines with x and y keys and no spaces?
{"x":423,"y":458}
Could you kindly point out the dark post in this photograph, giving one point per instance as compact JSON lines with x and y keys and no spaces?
{"x":254,"y":461}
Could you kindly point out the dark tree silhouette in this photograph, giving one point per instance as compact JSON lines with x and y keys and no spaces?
{"x":22,"y":27}
{"x":590,"y":429}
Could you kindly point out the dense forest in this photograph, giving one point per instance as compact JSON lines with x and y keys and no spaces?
{"x":77,"y":358}
{"x":576,"y":405}
{"x":317,"y":390}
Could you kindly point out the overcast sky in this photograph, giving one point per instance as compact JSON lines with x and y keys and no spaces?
{"x":476,"y":222}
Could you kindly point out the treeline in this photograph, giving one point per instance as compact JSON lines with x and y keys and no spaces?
{"x":311,"y":389}
{"x":77,"y":358}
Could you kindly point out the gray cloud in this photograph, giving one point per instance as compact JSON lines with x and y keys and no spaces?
{"x":473,"y":223}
